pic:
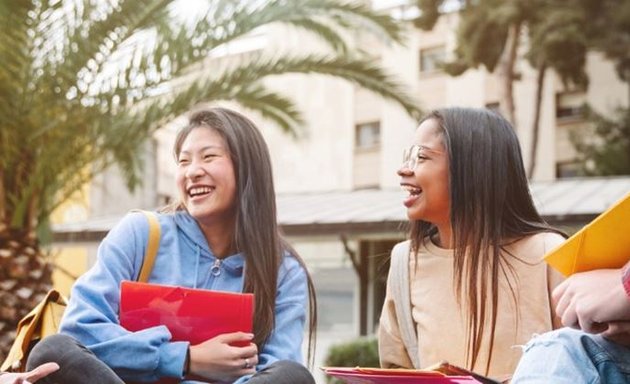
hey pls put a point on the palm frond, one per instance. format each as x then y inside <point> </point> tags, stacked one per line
<point>358,16</point>
<point>15,47</point>
<point>91,44</point>
<point>84,82</point>
<point>234,81</point>
<point>330,20</point>
<point>326,32</point>
<point>272,106</point>
<point>364,74</point>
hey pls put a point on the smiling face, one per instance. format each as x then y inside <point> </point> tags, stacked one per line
<point>427,183</point>
<point>205,177</point>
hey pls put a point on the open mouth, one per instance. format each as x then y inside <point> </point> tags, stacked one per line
<point>199,191</point>
<point>411,190</point>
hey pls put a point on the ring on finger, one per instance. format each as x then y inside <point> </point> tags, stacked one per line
<point>247,363</point>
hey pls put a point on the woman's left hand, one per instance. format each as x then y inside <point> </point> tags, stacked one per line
<point>30,376</point>
<point>216,359</point>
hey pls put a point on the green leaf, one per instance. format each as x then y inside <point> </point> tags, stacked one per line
<point>83,84</point>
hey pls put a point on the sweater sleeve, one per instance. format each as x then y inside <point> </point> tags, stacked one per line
<point>92,313</point>
<point>391,349</point>
<point>285,341</point>
<point>554,278</point>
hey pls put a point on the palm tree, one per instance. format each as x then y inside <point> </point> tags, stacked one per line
<point>84,82</point>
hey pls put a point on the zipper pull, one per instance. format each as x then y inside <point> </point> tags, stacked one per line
<point>216,268</point>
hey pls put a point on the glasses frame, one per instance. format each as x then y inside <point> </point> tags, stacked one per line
<point>410,157</point>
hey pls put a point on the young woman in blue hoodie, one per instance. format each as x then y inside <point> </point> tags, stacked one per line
<point>221,235</point>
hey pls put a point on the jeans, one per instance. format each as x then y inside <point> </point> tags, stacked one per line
<point>78,365</point>
<point>283,372</point>
<point>568,356</point>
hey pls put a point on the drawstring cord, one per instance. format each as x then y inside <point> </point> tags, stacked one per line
<point>197,266</point>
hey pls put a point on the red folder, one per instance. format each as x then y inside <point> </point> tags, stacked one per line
<point>193,315</point>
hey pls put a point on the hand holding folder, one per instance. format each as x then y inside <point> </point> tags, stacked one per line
<point>602,244</point>
<point>193,315</point>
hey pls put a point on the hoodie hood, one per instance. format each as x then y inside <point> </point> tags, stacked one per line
<point>193,235</point>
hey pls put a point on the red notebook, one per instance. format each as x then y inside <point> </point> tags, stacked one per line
<point>193,315</point>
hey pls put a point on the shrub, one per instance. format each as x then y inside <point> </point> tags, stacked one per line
<point>362,352</point>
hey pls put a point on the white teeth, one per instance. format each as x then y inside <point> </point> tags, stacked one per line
<point>199,191</point>
<point>411,190</point>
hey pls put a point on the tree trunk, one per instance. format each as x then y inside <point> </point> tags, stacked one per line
<point>533,149</point>
<point>25,277</point>
<point>505,72</point>
<point>2,198</point>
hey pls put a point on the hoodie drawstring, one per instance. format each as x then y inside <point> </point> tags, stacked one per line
<point>197,266</point>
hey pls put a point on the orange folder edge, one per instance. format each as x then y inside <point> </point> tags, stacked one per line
<point>601,244</point>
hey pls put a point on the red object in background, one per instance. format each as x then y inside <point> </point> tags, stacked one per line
<point>394,376</point>
<point>193,315</point>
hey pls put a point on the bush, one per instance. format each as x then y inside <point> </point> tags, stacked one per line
<point>362,352</point>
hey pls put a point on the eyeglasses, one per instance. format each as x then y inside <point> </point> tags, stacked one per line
<point>411,157</point>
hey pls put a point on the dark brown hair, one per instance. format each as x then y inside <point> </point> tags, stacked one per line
<point>490,206</point>
<point>256,234</point>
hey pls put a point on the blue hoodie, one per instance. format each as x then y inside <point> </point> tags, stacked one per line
<point>183,259</point>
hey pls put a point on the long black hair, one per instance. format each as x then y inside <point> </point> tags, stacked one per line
<point>490,206</point>
<point>256,232</point>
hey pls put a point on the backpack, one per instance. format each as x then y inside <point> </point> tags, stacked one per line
<point>45,318</point>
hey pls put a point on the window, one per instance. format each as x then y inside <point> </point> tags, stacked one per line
<point>570,105</point>
<point>367,134</point>
<point>431,58</point>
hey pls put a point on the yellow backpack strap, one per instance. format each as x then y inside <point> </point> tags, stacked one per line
<point>152,246</point>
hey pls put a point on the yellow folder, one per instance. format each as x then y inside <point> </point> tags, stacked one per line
<point>602,244</point>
